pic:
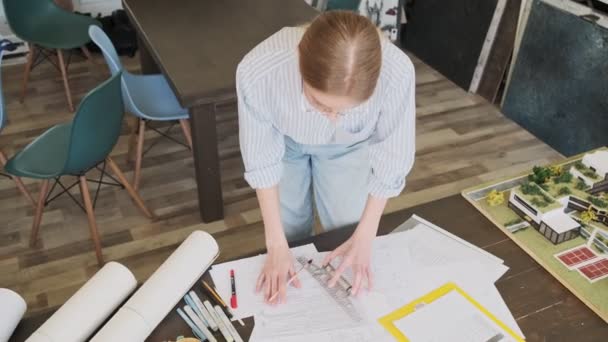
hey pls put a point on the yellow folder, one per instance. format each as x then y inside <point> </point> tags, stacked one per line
<point>388,321</point>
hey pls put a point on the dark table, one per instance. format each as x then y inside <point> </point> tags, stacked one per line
<point>197,45</point>
<point>545,310</point>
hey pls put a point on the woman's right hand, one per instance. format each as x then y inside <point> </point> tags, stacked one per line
<point>278,269</point>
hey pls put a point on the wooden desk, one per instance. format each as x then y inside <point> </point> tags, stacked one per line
<point>544,309</point>
<point>197,45</point>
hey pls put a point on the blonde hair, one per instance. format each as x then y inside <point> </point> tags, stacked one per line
<point>340,54</point>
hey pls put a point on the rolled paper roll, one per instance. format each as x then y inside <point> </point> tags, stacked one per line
<point>165,288</point>
<point>12,309</point>
<point>89,307</point>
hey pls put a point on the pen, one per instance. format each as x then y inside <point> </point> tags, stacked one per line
<point>191,324</point>
<point>201,308</point>
<point>194,307</point>
<point>213,295</point>
<point>233,303</point>
<point>216,297</point>
<point>222,315</point>
<point>199,323</point>
<point>223,329</point>
<point>291,279</point>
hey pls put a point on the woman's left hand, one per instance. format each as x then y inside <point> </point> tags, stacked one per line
<point>355,253</point>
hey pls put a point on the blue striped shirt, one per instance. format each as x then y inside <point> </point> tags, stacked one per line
<point>271,105</point>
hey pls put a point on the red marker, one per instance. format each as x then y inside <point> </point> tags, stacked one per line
<point>233,303</point>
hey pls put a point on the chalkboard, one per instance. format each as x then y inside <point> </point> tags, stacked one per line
<point>448,35</point>
<point>559,83</point>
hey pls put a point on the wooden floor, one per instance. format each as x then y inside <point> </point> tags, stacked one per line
<point>461,141</point>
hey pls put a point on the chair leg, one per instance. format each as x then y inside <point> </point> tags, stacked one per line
<point>28,69</point>
<point>132,139</point>
<point>139,154</point>
<point>88,55</point>
<point>18,181</point>
<point>187,132</point>
<point>86,198</point>
<point>134,195</point>
<point>64,74</point>
<point>38,214</point>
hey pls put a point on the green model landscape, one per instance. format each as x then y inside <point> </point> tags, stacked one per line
<point>543,188</point>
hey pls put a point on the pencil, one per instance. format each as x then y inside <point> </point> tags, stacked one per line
<point>291,279</point>
<point>214,294</point>
<point>211,291</point>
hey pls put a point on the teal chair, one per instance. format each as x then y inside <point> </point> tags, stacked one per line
<point>48,29</point>
<point>7,45</point>
<point>148,97</point>
<point>72,149</point>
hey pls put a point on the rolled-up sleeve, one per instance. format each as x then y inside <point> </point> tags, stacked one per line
<point>392,146</point>
<point>262,145</point>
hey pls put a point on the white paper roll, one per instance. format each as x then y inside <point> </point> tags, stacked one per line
<point>165,288</point>
<point>89,307</point>
<point>12,308</point>
<point>127,325</point>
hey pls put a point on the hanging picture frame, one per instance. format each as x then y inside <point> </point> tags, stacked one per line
<point>385,14</point>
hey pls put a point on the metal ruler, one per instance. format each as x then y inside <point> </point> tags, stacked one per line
<point>340,293</point>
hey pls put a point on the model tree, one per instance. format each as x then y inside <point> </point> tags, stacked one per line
<point>539,174</point>
<point>588,216</point>
<point>580,185</point>
<point>556,170</point>
<point>564,177</point>
<point>495,198</point>
<point>597,201</point>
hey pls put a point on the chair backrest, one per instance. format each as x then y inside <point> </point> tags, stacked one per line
<point>96,126</point>
<point>109,54</point>
<point>24,16</point>
<point>2,110</point>
<point>107,48</point>
<point>5,45</point>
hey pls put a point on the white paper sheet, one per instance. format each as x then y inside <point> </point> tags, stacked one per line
<point>246,274</point>
<point>467,276</point>
<point>89,307</point>
<point>449,318</point>
<point>327,323</point>
<point>429,225</point>
<point>405,265</point>
<point>493,301</point>
<point>290,319</point>
<point>429,248</point>
<point>159,294</point>
<point>365,333</point>
<point>12,308</point>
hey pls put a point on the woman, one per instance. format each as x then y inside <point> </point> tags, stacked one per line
<point>326,112</point>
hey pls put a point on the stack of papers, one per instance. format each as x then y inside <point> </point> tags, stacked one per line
<point>246,273</point>
<point>406,265</point>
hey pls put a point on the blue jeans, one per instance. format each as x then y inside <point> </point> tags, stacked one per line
<point>336,175</point>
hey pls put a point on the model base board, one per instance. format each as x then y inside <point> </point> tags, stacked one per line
<point>558,214</point>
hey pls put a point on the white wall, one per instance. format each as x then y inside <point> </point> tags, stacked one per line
<point>97,6</point>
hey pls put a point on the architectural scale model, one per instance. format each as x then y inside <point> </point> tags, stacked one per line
<point>559,215</point>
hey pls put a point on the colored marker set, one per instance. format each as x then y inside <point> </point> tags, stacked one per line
<point>204,318</point>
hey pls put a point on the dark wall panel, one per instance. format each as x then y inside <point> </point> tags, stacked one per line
<point>448,35</point>
<point>559,85</point>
